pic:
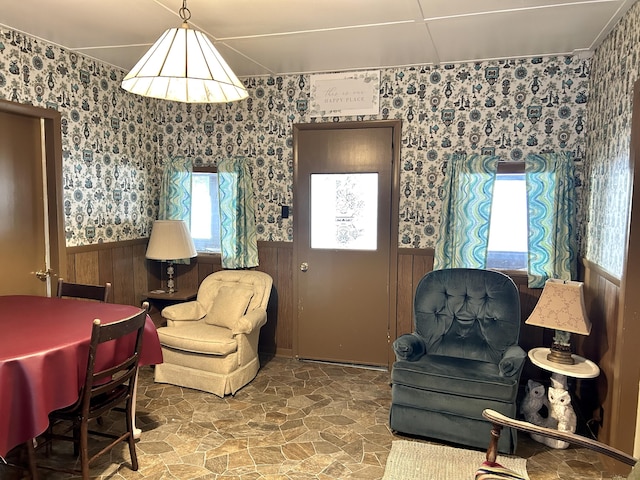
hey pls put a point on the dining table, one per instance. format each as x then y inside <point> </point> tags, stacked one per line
<point>44,345</point>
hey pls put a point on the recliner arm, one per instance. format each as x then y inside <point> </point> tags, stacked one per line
<point>512,361</point>
<point>250,321</point>
<point>187,311</point>
<point>409,347</point>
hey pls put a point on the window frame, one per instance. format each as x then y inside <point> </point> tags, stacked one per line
<point>510,167</point>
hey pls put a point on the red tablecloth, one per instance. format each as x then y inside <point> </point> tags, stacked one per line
<point>44,345</point>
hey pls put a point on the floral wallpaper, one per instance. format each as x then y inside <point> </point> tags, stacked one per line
<point>115,143</point>
<point>616,65</point>
<point>110,148</point>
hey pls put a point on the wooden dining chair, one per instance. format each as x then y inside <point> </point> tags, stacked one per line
<point>105,389</point>
<point>81,290</point>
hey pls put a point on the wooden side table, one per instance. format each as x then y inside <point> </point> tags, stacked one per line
<point>158,299</point>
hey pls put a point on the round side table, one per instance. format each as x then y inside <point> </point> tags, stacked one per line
<point>583,368</point>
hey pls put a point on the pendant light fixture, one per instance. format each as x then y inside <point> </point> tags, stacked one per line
<point>184,66</point>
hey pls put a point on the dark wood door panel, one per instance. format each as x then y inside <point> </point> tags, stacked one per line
<point>343,294</point>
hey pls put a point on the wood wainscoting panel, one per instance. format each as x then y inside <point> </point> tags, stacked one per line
<point>124,285</point>
<point>276,259</point>
<point>105,265</point>
<point>140,270</point>
<point>123,264</point>
<point>406,289</point>
<point>87,268</point>
<point>413,264</point>
<point>602,297</point>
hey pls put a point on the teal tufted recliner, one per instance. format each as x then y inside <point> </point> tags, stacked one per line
<point>462,357</point>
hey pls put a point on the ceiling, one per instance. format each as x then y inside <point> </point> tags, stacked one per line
<point>260,37</point>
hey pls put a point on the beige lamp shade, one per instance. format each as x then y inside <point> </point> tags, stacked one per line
<point>170,240</point>
<point>184,66</point>
<point>561,307</point>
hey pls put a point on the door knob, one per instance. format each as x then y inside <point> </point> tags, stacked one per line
<point>304,266</point>
<point>43,274</point>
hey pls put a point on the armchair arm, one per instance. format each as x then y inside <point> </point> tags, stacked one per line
<point>187,311</point>
<point>250,321</point>
<point>498,421</point>
<point>409,347</point>
<point>512,361</point>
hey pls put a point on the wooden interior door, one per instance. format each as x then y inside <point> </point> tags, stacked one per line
<point>31,237</point>
<point>345,258</point>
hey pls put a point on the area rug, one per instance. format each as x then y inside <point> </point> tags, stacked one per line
<point>424,461</point>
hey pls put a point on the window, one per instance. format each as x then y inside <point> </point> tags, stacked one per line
<point>508,232</point>
<point>344,211</point>
<point>205,213</point>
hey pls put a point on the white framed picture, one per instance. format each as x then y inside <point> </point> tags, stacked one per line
<point>345,94</point>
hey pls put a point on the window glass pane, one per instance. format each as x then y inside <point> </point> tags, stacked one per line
<point>205,220</point>
<point>344,211</point>
<point>508,226</point>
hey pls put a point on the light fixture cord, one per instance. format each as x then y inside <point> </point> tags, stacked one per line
<point>184,12</point>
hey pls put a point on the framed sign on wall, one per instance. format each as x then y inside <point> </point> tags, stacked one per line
<point>345,94</point>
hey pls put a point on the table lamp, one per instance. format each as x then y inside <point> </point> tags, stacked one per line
<point>170,240</point>
<point>561,307</point>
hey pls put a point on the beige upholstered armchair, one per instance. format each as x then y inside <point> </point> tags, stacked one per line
<point>211,343</point>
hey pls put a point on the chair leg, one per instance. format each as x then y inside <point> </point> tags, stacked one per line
<point>48,434</point>
<point>136,431</point>
<point>76,440</point>
<point>84,449</point>
<point>31,456</point>
<point>492,450</point>
<point>130,428</point>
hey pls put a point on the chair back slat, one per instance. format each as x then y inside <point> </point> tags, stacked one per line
<point>85,291</point>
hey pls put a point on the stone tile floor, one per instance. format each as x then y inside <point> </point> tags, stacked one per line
<point>296,420</point>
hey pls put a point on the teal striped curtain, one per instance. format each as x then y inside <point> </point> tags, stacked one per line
<point>175,191</point>
<point>551,202</point>
<point>466,210</point>
<point>237,214</point>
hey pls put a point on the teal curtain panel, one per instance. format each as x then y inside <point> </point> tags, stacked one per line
<point>238,237</point>
<point>466,210</point>
<point>551,202</point>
